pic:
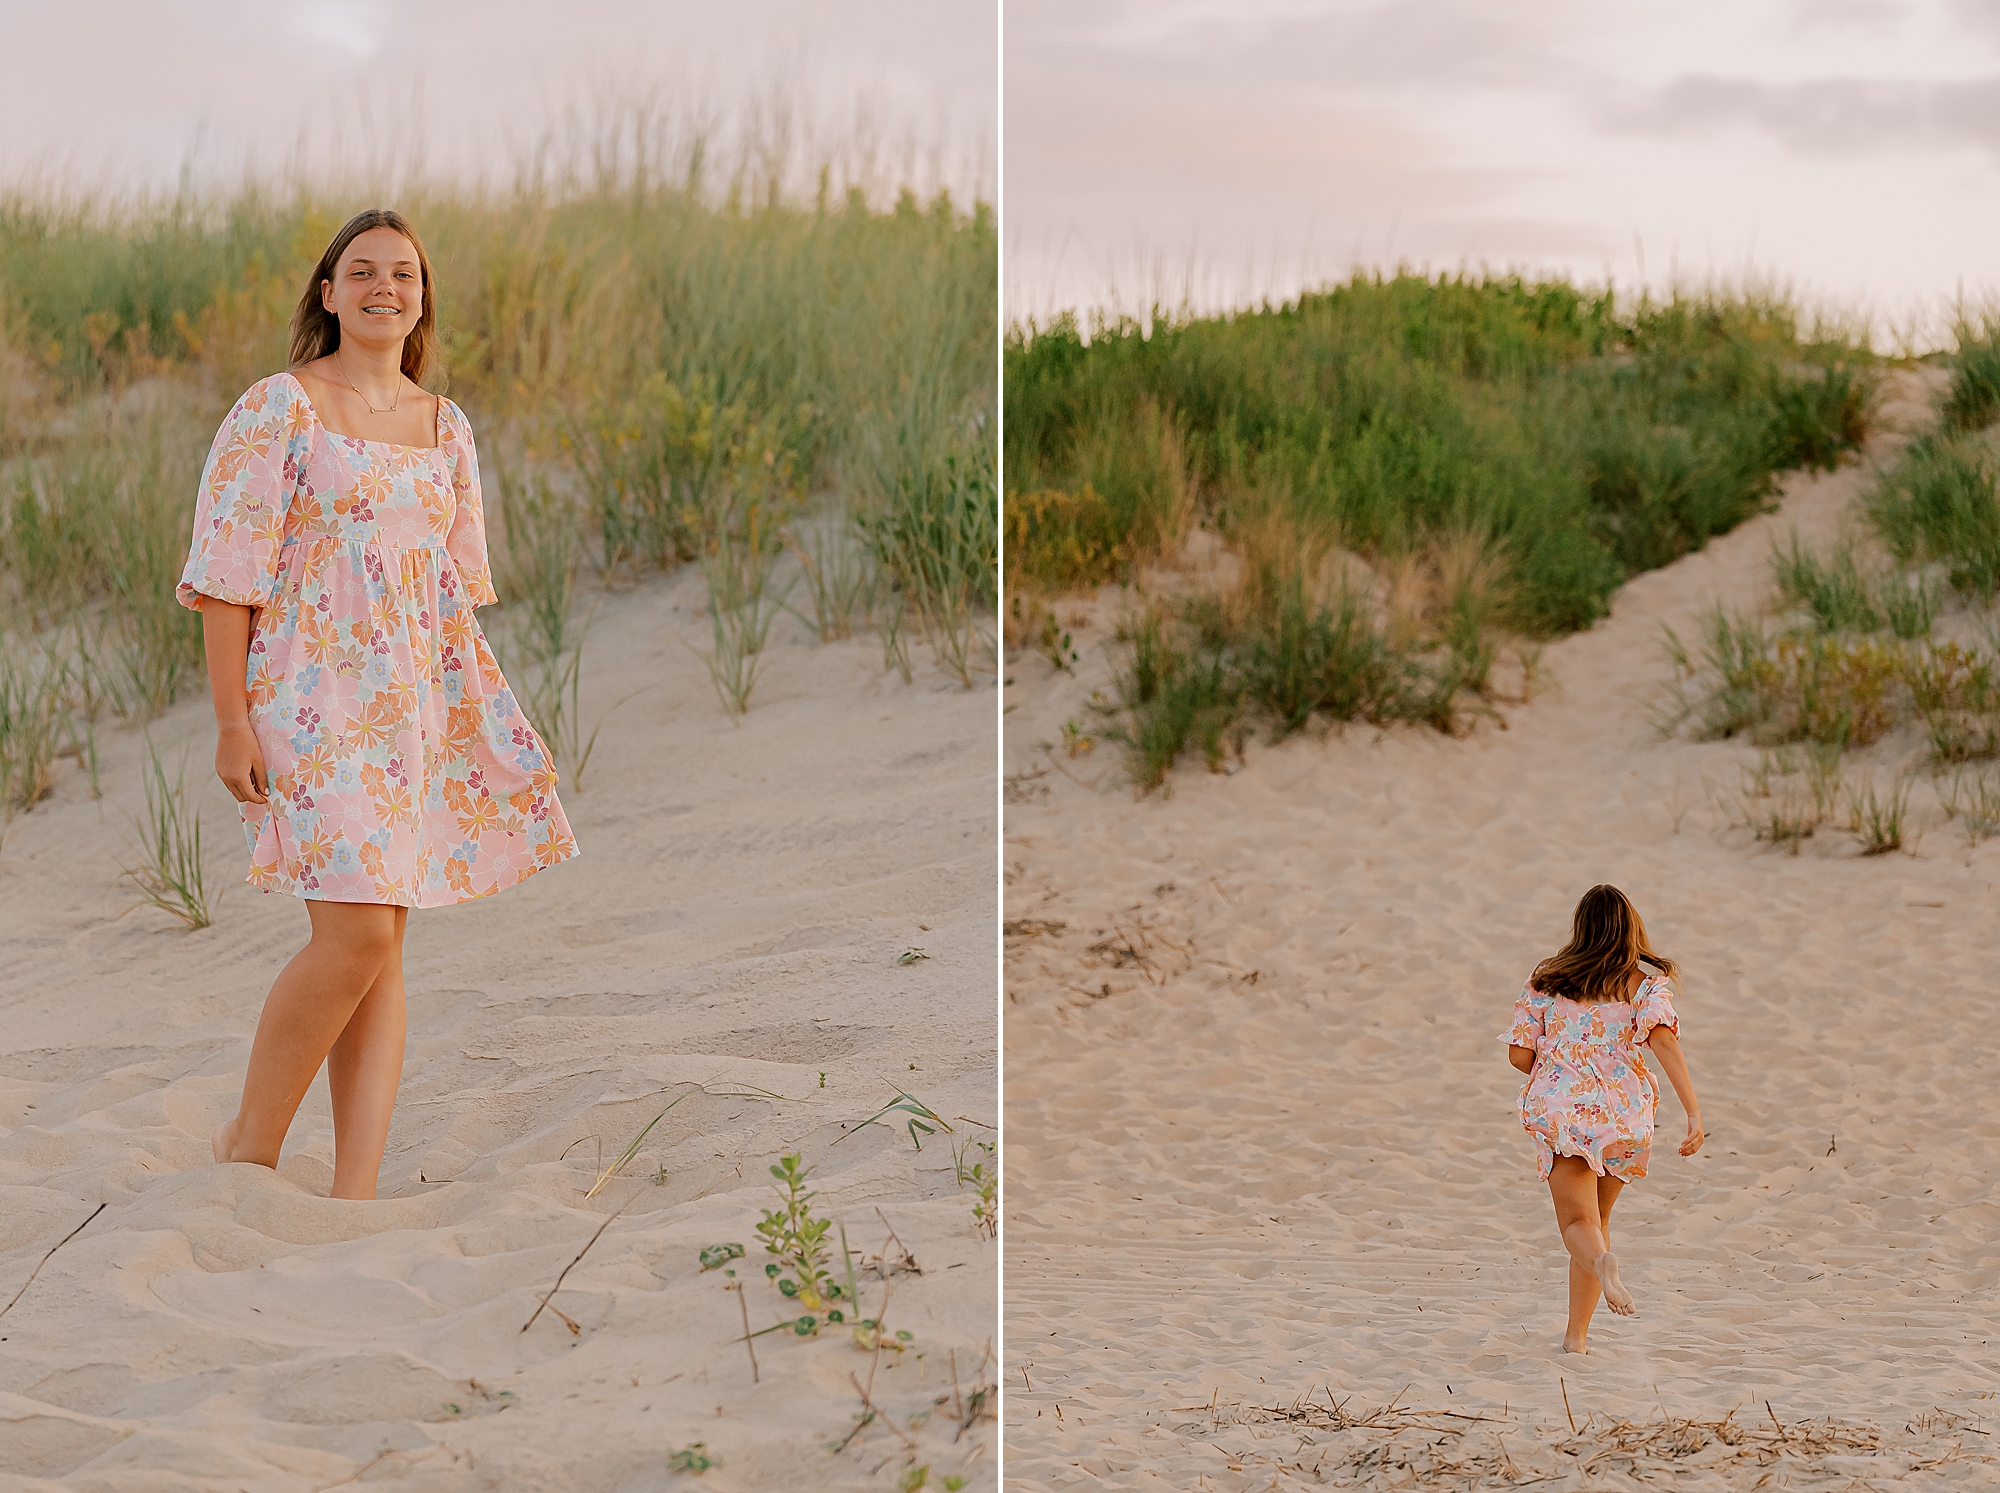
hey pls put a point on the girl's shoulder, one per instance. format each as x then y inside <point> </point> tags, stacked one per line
<point>1533,997</point>
<point>274,391</point>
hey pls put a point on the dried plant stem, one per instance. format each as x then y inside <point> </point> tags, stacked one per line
<point>49,1256</point>
<point>571,1266</point>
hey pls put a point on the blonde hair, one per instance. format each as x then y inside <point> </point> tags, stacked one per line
<point>316,330</point>
<point>1607,943</point>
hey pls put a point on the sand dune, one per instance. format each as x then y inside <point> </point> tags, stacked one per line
<point>734,919</point>
<point>1262,1142</point>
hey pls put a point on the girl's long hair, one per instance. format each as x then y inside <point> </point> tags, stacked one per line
<point>1607,943</point>
<point>316,330</point>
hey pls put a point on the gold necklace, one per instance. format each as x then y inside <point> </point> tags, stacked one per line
<point>364,398</point>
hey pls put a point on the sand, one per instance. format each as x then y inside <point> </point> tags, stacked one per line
<point>1276,1153</point>
<point>735,919</point>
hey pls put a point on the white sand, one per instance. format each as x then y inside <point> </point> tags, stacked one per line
<point>1283,1154</point>
<point>735,918</point>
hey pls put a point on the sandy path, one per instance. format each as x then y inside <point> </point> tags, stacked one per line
<point>735,918</point>
<point>1282,1153</point>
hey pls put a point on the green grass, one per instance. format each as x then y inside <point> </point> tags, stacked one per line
<point>1941,505</point>
<point>1581,442</point>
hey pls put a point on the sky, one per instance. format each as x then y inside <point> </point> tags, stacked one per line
<point>1222,152</point>
<point>111,93</point>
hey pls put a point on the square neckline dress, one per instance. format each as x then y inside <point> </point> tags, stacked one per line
<point>1590,1093</point>
<point>401,768</point>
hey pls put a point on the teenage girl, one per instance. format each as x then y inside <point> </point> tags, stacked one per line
<point>1589,1101</point>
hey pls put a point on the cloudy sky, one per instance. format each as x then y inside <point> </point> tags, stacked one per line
<point>122,91</point>
<point>1233,149</point>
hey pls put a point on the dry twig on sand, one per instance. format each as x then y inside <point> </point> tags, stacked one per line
<point>575,1330</point>
<point>49,1256</point>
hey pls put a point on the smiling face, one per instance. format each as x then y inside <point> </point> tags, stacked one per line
<point>377,289</point>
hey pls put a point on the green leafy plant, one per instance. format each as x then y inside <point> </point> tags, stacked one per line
<point>801,1255</point>
<point>985,1177</point>
<point>695,1458</point>
<point>715,1256</point>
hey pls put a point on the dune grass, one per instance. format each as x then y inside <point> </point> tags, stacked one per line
<point>666,347</point>
<point>1852,650</point>
<point>1502,454</point>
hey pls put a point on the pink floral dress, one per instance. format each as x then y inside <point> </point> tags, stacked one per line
<point>401,769</point>
<point>1590,1093</point>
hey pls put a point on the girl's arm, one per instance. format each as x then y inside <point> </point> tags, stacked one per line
<point>225,633</point>
<point>1666,1045</point>
<point>1522,1058</point>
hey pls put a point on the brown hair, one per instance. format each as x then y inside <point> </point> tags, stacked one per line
<point>316,330</point>
<point>1607,941</point>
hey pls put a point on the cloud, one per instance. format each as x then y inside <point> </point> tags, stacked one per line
<point>1376,45</point>
<point>1838,116</point>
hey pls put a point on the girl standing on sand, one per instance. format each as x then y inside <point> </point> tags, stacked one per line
<point>380,760</point>
<point>1589,1101</point>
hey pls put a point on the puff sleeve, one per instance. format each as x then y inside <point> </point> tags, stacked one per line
<point>246,488</point>
<point>1526,1031</point>
<point>465,542</point>
<point>1654,1007</point>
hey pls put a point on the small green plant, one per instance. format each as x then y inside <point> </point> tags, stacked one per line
<point>693,1458</point>
<point>741,607</point>
<point>718,1255</point>
<point>797,1242</point>
<point>984,1176</point>
<point>913,1479</point>
<point>839,573</point>
<point>1055,644</point>
<point>35,727</point>
<point>922,1120</point>
<point>606,1173</point>
<point>169,874</point>
<point>1077,742</point>
<point>911,955</point>
<point>1832,591</point>
<point>1975,803</point>
<point>1879,821</point>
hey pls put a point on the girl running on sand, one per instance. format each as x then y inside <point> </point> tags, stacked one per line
<point>1589,1101</point>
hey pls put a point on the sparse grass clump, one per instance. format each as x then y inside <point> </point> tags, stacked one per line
<point>1974,398</point>
<point>170,874</point>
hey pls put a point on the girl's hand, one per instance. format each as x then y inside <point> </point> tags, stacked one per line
<point>1695,1136</point>
<point>239,762</point>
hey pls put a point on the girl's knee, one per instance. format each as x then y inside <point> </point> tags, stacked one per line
<point>364,937</point>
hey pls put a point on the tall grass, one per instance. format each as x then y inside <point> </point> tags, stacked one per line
<point>664,324</point>
<point>1584,443</point>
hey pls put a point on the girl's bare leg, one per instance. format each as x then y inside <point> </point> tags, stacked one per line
<point>309,1006</point>
<point>363,1070</point>
<point>1583,1287</point>
<point>1574,1188</point>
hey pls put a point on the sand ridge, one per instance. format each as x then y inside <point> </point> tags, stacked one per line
<point>734,920</point>
<point>1262,1142</point>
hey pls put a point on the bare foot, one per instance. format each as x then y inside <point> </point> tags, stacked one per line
<point>224,1139</point>
<point>1605,1268</point>
<point>1574,1345</point>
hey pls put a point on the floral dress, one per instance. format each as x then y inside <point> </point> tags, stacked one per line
<point>1590,1093</point>
<point>401,768</point>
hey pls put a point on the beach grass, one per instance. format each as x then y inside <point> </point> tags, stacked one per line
<point>1500,454</point>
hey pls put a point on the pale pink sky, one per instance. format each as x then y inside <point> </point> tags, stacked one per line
<point>1234,149</point>
<point>125,91</point>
